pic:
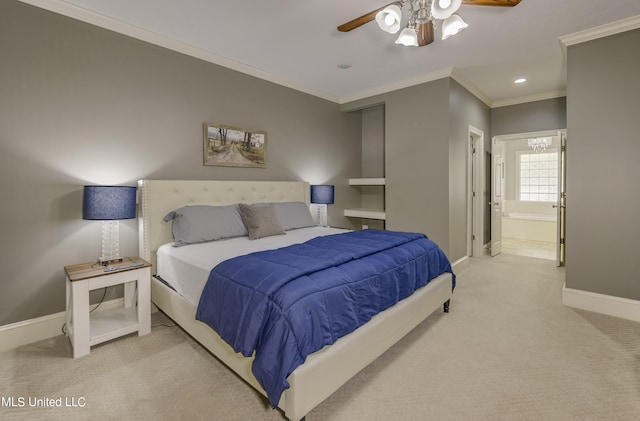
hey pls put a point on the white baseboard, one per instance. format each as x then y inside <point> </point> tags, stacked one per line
<point>28,331</point>
<point>460,264</point>
<point>600,303</point>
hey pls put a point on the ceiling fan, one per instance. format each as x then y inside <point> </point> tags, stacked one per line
<point>423,16</point>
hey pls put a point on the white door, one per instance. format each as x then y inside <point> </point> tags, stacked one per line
<point>497,188</point>
<point>561,203</point>
<point>477,192</point>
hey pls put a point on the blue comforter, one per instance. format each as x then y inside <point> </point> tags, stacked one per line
<point>287,303</point>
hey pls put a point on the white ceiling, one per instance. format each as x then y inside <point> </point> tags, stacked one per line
<point>295,42</point>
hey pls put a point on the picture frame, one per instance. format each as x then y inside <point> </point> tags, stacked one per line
<point>228,146</point>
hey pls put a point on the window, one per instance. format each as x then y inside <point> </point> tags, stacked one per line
<point>538,176</point>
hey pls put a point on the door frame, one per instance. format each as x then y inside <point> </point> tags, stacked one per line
<point>475,183</point>
<point>561,203</point>
<point>562,133</point>
<point>497,194</point>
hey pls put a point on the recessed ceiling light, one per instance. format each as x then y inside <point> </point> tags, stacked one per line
<point>520,80</point>
<point>344,66</point>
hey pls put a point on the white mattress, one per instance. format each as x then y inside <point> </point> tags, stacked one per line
<point>186,269</point>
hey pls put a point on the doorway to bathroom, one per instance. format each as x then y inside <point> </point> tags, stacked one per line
<point>528,202</point>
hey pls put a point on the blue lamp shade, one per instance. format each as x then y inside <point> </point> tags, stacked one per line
<point>322,194</point>
<point>104,203</point>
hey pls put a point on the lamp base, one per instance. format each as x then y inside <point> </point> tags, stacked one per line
<point>106,262</point>
<point>321,214</point>
<point>110,242</point>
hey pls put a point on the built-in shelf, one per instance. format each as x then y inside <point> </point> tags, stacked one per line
<point>367,181</point>
<point>365,213</point>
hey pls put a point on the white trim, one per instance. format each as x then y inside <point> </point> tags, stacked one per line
<point>530,98</point>
<point>460,264</point>
<point>470,188</point>
<point>623,308</point>
<point>477,182</point>
<point>602,31</point>
<point>458,77</point>
<point>471,87</point>
<point>367,181</point>
<point>526,135</point>
<point>428,77</point>
<point>28,331</point>
<point>366,213</point>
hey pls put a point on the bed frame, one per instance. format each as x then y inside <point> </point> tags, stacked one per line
<point>324,371</point>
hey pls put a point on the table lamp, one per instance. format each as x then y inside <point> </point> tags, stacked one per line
<point>109,204</point>
<point>321,196</point>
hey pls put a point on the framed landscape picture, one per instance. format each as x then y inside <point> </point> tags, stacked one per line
<point>228,146</point>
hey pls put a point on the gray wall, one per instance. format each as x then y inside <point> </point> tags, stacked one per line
<point>549,114</point>
<point>603,174</point>
<point>417,164</point>
<point>373,162</point>
<point>465,110</point>
<point>82,105</point>
<point>426,138</point>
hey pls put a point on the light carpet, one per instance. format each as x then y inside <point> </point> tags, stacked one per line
<point>508,350</point>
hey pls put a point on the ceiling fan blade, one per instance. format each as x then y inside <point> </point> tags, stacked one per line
<point>357,22</point>
<point>503,3</point>
<point>425,33</point>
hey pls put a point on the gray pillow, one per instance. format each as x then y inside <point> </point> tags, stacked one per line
<point>202,223</point>
<point>294,215</point>
<point>261,220</point>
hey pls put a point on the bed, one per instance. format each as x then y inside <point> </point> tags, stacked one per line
<point>323,371</point>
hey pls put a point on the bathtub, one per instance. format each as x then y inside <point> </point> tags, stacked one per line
<point>529,226</point>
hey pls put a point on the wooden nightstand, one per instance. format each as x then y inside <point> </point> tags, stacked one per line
<point>85,330</point>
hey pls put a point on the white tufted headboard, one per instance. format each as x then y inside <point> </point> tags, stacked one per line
<point>159,197</point>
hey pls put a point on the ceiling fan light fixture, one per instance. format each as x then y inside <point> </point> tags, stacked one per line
<point>442,9</point>
<point>408,37</point>
<point>424,17</point>
<point>423,14</point>
<point>452,25</point>
<point>389,18</point>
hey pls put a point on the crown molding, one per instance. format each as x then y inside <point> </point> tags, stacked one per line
<point>428,77</point>
<point>530,98</point>
<point>612,28</point>
<point>72,11</point>
<point>64,8</point>
<point>75,12</point>
<point>468,85</point>
<point>458,77</point>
